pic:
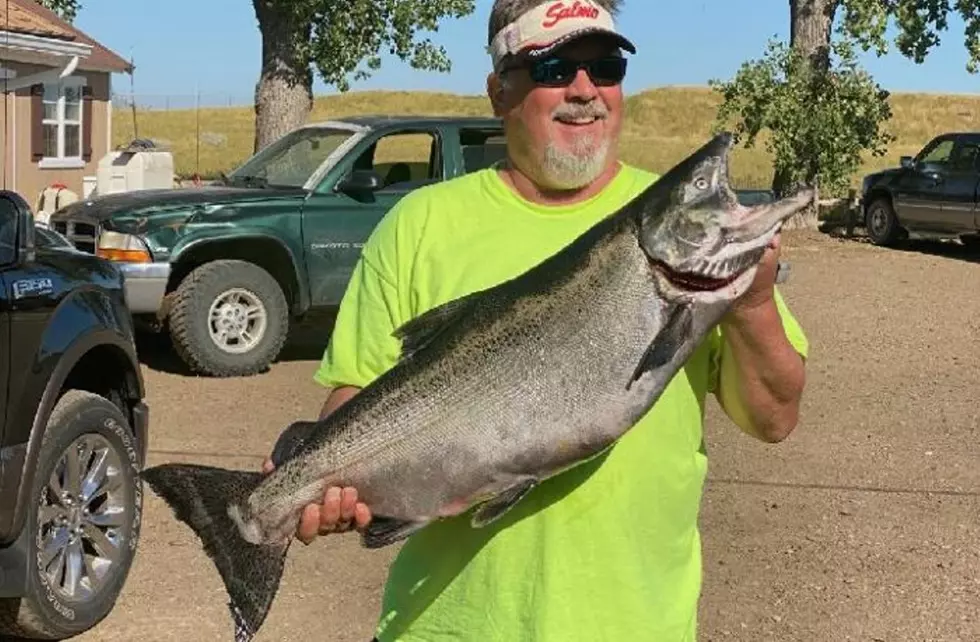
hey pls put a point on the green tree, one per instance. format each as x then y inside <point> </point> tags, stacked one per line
<point>819,121</point>
<point>821,113</point>
<point>339,39</point>
<point>67,9</point>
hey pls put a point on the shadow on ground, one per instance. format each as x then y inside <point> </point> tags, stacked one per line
<point>306,342</point>
<point>945,249</point>
<point>951,249</point>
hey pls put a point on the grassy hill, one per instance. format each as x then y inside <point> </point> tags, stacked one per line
<point>662,125</point>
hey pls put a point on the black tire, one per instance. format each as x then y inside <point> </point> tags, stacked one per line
<point>190,325</point>
<point>881,223</point>
<point>45,613</point>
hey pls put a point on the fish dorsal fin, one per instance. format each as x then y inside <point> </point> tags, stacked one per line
<point>419,332</point>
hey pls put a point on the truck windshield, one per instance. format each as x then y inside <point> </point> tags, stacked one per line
<point>291,160</point>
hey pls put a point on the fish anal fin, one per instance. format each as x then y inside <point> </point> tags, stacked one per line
<point>419,332</point>
<point>495,507</point>
<point>383,531</point>
<point>663,347</point>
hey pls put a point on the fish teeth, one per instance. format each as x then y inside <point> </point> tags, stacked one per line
<point>717,269</point>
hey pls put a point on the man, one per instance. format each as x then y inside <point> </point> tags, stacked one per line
<point>609,550</point>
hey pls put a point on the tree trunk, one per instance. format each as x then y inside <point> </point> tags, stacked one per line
<point>810,27</point>
<point>811,22</point>
<point>808,218</point>
<point>284,92</point>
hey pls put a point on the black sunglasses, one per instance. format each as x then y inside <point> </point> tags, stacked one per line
<point>560,72</point>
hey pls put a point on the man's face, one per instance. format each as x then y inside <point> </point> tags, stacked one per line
<point>562,137</point>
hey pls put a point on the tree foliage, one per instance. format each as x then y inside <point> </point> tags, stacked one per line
<point>67,9</point>
<point>818,122</point>
<point>919,24</point>
<point>343,40</point>
<point>821,114</point>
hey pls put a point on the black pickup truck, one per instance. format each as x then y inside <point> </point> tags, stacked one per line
<point>73,432</point>
<point>931,195</point>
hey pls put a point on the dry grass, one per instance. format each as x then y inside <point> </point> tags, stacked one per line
<point>662,125</point>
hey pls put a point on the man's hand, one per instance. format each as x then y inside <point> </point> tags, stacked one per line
<point>335,515</point>
<point>340,505</point>
<point>761,290</point>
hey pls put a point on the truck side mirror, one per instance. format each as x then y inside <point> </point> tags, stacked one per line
<point>16,228</point>
<point>359,181</point>
<point>907,162</point>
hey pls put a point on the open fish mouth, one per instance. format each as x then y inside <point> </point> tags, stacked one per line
<point>694,281</point>
<point>709,275</point>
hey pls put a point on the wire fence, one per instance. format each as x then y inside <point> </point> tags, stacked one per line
<point>211,132</point>
<point>168,102</point>
<point>207,133</point>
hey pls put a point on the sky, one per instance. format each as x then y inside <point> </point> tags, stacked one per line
<point>181,47</point>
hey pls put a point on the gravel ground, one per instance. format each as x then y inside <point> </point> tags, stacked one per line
<point>862,526</point>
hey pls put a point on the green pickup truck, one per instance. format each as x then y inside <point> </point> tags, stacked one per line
<point>226,268</point>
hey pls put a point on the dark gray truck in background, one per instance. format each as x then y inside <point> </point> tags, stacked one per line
<point>931,195</point>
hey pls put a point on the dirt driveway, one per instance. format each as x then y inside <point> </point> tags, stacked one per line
<point>863,526</point>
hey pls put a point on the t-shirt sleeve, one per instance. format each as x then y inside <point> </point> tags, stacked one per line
<point>362,345</point>
<point>723,386</point>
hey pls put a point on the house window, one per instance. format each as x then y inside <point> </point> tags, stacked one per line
<point>62,121</point>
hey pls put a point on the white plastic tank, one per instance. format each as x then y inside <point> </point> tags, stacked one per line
<point>136,167</point>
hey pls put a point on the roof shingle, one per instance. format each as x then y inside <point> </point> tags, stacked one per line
<point>20,20</point>
<point>29,17</point>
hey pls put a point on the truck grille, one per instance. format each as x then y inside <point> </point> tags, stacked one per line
<point>82,235</point>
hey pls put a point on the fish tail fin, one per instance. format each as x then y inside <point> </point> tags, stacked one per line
<point>200,496</point>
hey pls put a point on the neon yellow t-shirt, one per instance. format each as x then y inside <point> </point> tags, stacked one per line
<point>606,551</point>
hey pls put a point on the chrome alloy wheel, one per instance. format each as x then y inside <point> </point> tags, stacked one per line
<point>237,320</point>
<point>82,511</point>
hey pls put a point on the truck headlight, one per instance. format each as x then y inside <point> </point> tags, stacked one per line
<point>126,248</point>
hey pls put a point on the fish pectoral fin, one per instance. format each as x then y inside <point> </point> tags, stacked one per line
<point>419,332</point>
<point>495,508</point>
<point>382,531</point>
<point>662,349</point>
